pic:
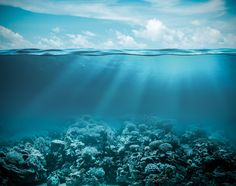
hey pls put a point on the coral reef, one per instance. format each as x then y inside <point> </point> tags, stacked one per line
<point>141,153</point>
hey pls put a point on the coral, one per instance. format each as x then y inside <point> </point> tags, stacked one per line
<point>146,152</point>
<point>42,144</point>
<point>89,151</point>
<point>134,148</point>
<point>165,147</point>
<point>23,164</point>
<point>97,172</point>
<point>53,180</point>
<point>151,168</point>
<point>155,144</point>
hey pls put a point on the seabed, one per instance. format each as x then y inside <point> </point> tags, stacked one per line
<point>146,152</point>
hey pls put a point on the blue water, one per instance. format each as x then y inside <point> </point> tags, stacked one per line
<point>42,89</point>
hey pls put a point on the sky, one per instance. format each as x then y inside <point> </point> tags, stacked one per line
<point>116,24</point>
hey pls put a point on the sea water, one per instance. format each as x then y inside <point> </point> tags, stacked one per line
<point>47,90</point>
<point>189,86</point>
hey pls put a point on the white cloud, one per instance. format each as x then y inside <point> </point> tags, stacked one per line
<point>230,40</point>
<point>153,34</point>
<point>196,22</point>
<point>79,41</point>
<point>112,10</point>
<point>52,42</point>
<point>158,35</point>
<point>127,41</point>
<point>66,41</point>
<point>154,30</point>
<point>56,30</point>
<point>97,10</point>
<point>10,39</point>
<point>88,33</point>
<point>177,7</point>
<point>206,37</point>
<point>109,44</point>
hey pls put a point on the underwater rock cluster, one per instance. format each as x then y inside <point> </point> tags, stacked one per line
<point>91,153</point>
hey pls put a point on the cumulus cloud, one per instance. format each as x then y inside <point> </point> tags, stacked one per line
<point>195,22</point>
<point>51,42</point>
<point>88,33</point>
<point>121,40</point>
<point>230,39</point>
<point>153,34</point>
<point>10,39</point>
<point>154,30</point>
<point>79,41</point>
<point>159,35</point>
<point>67,41</point>
<point>206,37</point>
<point>128,41</point>
<point>56,29</point>
<point>145,31</point>
<point>109,44</point>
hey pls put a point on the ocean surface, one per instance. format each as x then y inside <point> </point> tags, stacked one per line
<point>117,117</point>
<point>41,89</point>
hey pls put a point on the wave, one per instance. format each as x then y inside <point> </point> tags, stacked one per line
<point>135,52</point>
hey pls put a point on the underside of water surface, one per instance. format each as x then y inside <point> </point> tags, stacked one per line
<point>118,117</point>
